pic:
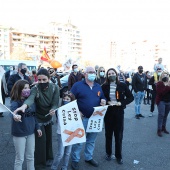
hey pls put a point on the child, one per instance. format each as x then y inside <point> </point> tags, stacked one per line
<point>62,152</point>
<point>23,126</point>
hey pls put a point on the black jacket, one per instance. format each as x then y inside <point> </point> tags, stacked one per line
<point>14,78</point>
<point>123,93</point>
<point>138,84</point>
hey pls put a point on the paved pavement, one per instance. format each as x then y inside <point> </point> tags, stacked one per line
<point>140,143</point>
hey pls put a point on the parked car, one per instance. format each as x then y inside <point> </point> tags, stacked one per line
<point>64,84</point>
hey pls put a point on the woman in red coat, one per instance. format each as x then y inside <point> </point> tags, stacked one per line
<point>163,102</point>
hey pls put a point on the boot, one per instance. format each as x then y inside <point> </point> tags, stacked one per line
<point>144,101</point>
<point>148,101</point>
<point>164,130</point>
<point>159,133</point>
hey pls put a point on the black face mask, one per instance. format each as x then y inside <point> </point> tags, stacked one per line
<point>43,86</point>
<point>141,71</point>
<point>112,78</point>
<point>165,79</point>
<point>23,71</point>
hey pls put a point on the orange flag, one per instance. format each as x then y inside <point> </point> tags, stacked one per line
<point>52,62</point>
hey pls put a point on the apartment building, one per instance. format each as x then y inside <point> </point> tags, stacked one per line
<point>34,42</point>
<point>69,40</point>
<point>62,41</point>
<point>4,42</point>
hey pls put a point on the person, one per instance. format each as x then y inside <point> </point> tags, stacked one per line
<point>88,94</point>
<point>117,96</point>
<point>100,78</point>
<point>46,98</point>
<point>54,77</point>
<point>163,102</point>
<point>4,91</point>
<point>153,83</point>
<point>9,72</point>
<point>75,76</point>
<point>159,65</point>
<point>139,85</point>
<point>23,127</point>
<point>96,68</point>
<point>121,77</point>
<point>22,69</point>
<point>146,99</point>
<point>62,152</point>
<point>33,76</point>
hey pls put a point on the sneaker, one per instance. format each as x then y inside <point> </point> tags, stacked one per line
<point>120,161</point>
<point>137,117</point>
<point>109,157</point>
<point>140,115</point>
<point>75,165</point>
<point>151,114</point>
<point>92,162</point>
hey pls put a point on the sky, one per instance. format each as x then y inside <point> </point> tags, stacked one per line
<point>100,21</point>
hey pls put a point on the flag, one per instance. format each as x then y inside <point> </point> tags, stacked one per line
<point>45,56</point>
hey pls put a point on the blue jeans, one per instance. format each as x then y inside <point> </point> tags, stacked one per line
<point>138,100</point>
<point>163,111</point>
<point>62,153</point>
<point>89,145</point>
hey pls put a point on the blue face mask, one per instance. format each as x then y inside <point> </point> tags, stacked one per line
<point>91,77</point>
<point>65,102</point>
<point>101,74</point>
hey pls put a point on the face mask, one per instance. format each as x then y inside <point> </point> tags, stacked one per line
<point>159,74</point>
<point>76,70</point>
<point>43,86</point>
<point>91,77</point>
<point>25,92</point>
<point>149,74</point>
<point>23,71</point>
<point>101,74</point>
<point>165,79</point>
<point>141,71</point>
<point>65,102</point>
<point>11,69</point>
<point>112,78</point>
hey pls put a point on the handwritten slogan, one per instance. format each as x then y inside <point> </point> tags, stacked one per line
<point>72,129</point>
<point>95,122</point>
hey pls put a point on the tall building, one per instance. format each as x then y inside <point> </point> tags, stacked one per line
<point>62,41</point>
<point>69,40</point>
<point>4,42</point>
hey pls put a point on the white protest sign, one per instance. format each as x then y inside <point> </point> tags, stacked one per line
<point>3,108</point>
<point>72,129</point>
<point>95,122</point>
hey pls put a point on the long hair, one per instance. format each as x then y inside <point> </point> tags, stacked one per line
<point>162,75</point>
<point>98,72</point>
<point>17,89</point>
<point>107,79</point>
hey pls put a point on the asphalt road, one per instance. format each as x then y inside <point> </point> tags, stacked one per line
<point>140,143</point>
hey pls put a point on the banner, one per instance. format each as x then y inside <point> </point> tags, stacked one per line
<point>3,108</point>
<point>72,129</point>
<point>95,123</point>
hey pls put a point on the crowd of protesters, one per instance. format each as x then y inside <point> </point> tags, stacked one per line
<point>35,95</point>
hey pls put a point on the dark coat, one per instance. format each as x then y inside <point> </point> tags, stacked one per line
<point>73,79</point>
<point>123,93</point>
<point>14,78</point>
<point>137,84</point>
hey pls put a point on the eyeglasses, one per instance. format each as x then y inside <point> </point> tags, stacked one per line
<point>102,71</point>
